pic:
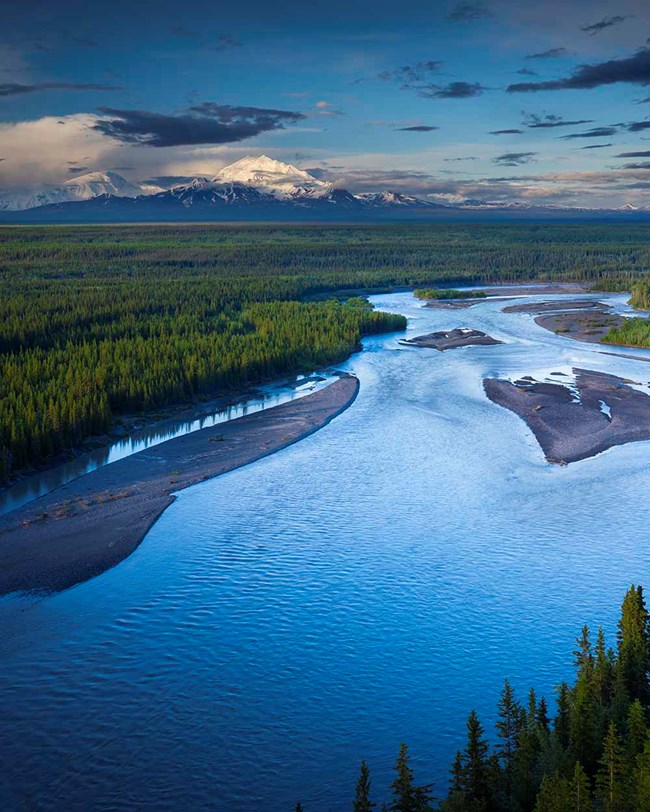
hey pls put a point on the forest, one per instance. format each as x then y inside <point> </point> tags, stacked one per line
<point>102,321</point>
<point>592,754</point>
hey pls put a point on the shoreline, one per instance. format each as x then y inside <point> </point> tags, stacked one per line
<point>89,525</point>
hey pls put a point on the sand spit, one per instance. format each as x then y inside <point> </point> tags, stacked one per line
<point>92,523</point>
<point>450,339</point>
<point>550,307</point>
<point>609,412</point>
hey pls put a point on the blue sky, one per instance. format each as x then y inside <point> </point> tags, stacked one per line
<point>370,95</point>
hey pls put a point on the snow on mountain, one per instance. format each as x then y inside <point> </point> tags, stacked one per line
<point>283,181</point>
<point>83,187</point>
<point>390,199</point>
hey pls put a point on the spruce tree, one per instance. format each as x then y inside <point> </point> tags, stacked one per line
<point>508,726</point>
<point>562,722</point>
<point>641,780</point>
<point>475,774</point>
<point>402,786</point>
<point>554,795</point>
<point>633,644</point>
<point>362,802</point>
<point>636,731</point>
<point>610,777</point>
<point>580,790</point>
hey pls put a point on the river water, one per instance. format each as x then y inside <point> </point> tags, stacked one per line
<point>368,585</point>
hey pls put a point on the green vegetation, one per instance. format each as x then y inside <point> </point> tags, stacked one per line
<point>449,293</point>
<point>641,295</point>
<point>593,756</point>
<point>100,321</point>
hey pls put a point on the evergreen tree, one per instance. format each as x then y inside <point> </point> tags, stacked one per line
<point>636,731</point>
<point>554,795</point>
<point>641,780</point>
<point>562,722</point>
<point>475,774</point>
<point>633,644</point>
<point>580,790</point>
<point>610,777</point>
<point>402,786</point>
<point>362,802</point>
<point>508,726</point>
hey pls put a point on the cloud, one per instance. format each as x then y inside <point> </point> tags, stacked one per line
<point>596,146</point>
<point>601,25</point>
<point>514,158</point>
<point>548,121</point>
<point>325,108</point>
<point>418,128</point>
<point>595,132</point>
<point>468,12</point>
<point>167,181</point>
<point>468,158</point>
<point>552,53</point>
<point>77,169</point>
<point>454,90</point>
<point>512,131</point>
<point>13,89</point>
<point>633,69</point>
<point>644,153</point>
<point>409,75</point>
<point>638,126</point>
<point>643,165</point>
<point>206,123</point>
<point>527,71</point>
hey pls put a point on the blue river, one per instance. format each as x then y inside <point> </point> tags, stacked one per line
<point>367,586</point>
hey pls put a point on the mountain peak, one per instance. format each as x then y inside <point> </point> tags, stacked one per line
<point>273,177</point>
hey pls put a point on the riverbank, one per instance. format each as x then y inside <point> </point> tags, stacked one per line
<point>91,524</point>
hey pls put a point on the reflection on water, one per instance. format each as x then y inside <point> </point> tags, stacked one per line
<point>42,483</point>
<point>368,585</point>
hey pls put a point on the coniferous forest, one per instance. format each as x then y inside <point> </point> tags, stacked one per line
<point>101,321</point>
<point>587,751</point>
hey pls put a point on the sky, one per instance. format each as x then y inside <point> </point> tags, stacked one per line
<point>504,101</point>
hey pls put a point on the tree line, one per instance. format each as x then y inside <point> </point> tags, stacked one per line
<point>591,755</point>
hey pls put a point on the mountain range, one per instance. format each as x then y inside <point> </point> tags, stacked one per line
<point>253,188</point>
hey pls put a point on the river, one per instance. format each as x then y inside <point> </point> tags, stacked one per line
<point>366,586</point>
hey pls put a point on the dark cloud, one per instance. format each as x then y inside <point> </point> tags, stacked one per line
<point>76,169</point>
<point>601,25</point>
<point>552,53</point>
<point>638,126</point>
<point>206,123</point>
<point>409,75</point>
<point>418,128</point>
<point>543,122</point>
<point>527,71</point>
<point>454,160</point>
<point>454,90</point>
<point>514,158</point>
<point>633,69</point>
<point>644,153</point>
<point>596,146</point>
<point>642,165</point>
<point>468,12</point>
<point>506,132</point>
<point>595,132</point>
<point>13,89</point>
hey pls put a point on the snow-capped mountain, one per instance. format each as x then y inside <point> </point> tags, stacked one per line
<point>283,181</point>
<point>254,188</point>
<point>83,187</point>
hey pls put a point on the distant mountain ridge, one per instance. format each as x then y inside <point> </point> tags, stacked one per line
<point>255,188</point>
